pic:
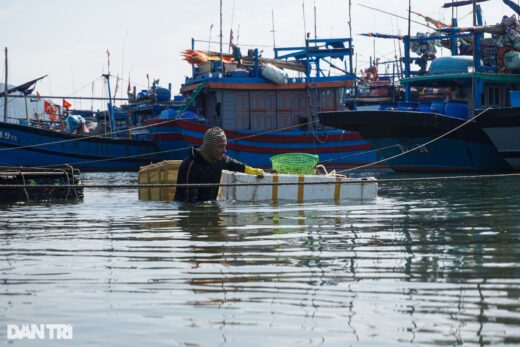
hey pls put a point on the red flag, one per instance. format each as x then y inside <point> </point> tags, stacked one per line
<point>66,104</point>
<point>49,107</point>
<point>231,44</point>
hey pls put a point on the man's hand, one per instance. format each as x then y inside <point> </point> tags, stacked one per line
<point>254,171</point>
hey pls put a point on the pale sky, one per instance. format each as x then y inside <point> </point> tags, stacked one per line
<point>68,39</point>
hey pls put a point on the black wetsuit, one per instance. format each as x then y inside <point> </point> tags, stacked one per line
<point>195,169</point>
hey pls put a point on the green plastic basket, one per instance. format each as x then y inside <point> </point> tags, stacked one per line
<point>295,163</point>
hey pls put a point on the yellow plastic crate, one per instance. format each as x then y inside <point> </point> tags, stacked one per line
<point>164,172</point>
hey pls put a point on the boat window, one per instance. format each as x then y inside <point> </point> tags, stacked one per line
<point>492,96</point>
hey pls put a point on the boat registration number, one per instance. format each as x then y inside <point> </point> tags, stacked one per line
<point>8,136</point>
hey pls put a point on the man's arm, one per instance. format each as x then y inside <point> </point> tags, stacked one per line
<point>232,164</point>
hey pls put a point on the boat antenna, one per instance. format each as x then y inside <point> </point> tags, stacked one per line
<point>5,87</point>
<point>123,60</point>
<point>272,20</point>
<point>315,31</point>
<point>209,41</point>
<point>92,100</point>
<point>231,30</point>
<point>221,58</point>
<point>452,11</point>
<point>373,46</point>
<point>304,22</point>
<point>474,13</point>
<point>350,18</point>
<point>409,19</point>
<point>395,15</point>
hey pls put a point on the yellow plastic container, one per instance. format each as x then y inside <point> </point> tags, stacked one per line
<point>164,172</point>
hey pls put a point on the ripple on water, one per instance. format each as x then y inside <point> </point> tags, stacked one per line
<point>428,263</point>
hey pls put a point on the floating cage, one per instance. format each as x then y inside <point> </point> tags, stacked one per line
<point>295,163</point>
<point>24,184</point>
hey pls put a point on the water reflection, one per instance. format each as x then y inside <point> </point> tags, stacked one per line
<point>427,263</point>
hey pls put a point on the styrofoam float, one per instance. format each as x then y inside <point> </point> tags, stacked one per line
<point>333,188</point>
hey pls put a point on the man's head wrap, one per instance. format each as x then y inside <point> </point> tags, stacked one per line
<point>212,138</point>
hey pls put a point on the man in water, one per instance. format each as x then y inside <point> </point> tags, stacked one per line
<point>205,165</point>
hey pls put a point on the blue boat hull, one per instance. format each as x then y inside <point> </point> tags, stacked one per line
<point>467,149</point>
<point>28,146</point>
<point>336,148</point>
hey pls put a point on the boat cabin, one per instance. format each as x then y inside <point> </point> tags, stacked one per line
<point>256,93</point>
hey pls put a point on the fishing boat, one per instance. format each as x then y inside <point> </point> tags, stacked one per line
<point>502,126</point>
<point>23,145</point>
<point>429,133</point>
<point>50,144</point>
<point>268,106</point>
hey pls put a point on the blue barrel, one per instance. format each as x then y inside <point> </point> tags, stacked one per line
<point>406,106</point>
<point>438,106</point>
<point>168,114</point>
<point>143,94</point>
<point>386,106</point>
<point>163,94</point>
<point>458,109</point>
<point>452,64</point>
<point>424,107</point>
<point>514,96</point>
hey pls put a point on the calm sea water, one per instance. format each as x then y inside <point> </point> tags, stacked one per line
<point>427,263</point>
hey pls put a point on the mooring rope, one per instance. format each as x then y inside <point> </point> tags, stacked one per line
<point>418,147</point>
<point>150,153</point>
<point>260,183</point>
<point>382,161</point>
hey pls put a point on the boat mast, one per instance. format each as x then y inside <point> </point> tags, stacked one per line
<point>409,18</point>
<point>209,40</point>
<point>231,28</point>
<point>475,64</point>
<point>304,22</point>
<point>407,52</point>
<point>272,20</point>
<point>315,30</point>
<point>350,19</point>
<point>221,58</point>
<point>26,108</point>
<point>5,87</point>
<point>110,108</point>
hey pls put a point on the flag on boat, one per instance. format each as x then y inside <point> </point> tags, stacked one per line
<point>38,97</point>
<point>66,104</point>
<point>49,107</point>
<point>231,40</point>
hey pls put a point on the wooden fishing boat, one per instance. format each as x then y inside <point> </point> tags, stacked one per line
<point>471,129</point>
<point>266,111</point>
